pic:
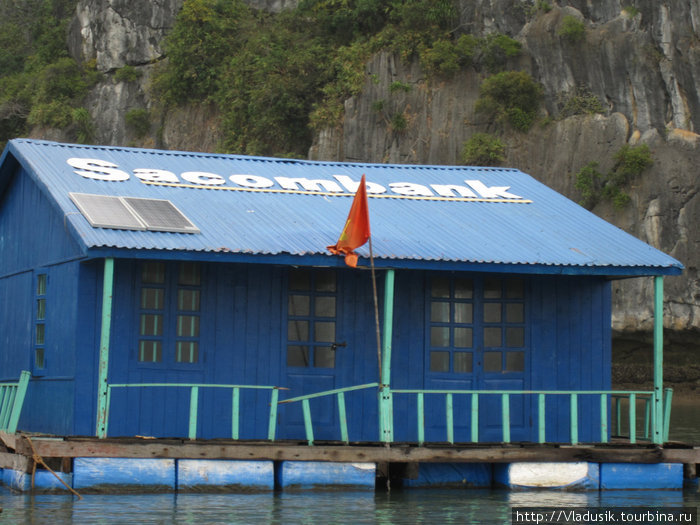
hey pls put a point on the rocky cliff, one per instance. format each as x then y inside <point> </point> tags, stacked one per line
<point>640,59</point>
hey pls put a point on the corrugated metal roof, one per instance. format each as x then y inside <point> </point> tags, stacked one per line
<point>242,208</point>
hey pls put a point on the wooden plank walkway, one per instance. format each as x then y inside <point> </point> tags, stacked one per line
<point>17,452</point>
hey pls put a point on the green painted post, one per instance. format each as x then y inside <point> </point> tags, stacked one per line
<point>633,418</point>
<point>449,418</point>
<point>505,417</point>
<point>603,418</point>
<point>7,398</point>
<point>103,366</point>
<point>307,421</point>
<point>574,419</point>
<point>647,416</point>
<point>475,418</point>
<point>618,415</point>
<point>667,412</point>
<point>109,404</point>
<point>658,408</point>
<point>18,401</point>
<point>386,409</point>
<point>272,424</point>
<point>235,412</point>
<point>541,418</point>
<point>194,402</point>
<point>421,419</point>
<point>343,418</point>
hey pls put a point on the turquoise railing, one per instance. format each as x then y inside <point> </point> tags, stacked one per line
<point>633,399</point>
<point>604,397</point>
<point>342,417</point>
<point>194,404</point>
<point>11,401</point>
<point>625,400</point>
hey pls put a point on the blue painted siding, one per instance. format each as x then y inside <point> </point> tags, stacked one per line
<point>33,241</point>
<point>571,336</point>
<point>16,306</point>
<point>32,231</point>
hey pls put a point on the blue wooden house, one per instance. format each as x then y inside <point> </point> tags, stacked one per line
<point>162,293</point>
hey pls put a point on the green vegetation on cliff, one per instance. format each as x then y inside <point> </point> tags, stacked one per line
<point>276,78</point>
<point>39,84</point>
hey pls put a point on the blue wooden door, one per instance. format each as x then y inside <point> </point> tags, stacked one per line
<point>314,356</point>
<point>476,340</point>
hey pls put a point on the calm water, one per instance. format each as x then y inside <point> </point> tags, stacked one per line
<point>430,506</point>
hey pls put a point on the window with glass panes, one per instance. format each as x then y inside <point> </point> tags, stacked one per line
<point>503,310</point>
<point>169,316</point>
<point>452,325</point>
<point>40,322</point>
<point>311,318</point>
<point>483,316</point>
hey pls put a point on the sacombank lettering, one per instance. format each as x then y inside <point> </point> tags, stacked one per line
<point>339,185</point>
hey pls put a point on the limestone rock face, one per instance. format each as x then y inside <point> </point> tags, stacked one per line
<point>117,33</point>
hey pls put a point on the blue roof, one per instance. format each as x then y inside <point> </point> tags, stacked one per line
<point>288,211</point>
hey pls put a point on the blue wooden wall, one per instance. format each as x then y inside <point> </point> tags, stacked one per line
<point>243,342</point>
<point>33,240</point>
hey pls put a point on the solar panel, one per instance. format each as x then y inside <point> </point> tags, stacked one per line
<point>161,215</point>
<point>103,211</point>
<point>132,213</point>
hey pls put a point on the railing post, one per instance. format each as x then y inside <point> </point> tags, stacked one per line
<point>574,418</point>
<point>307,421</point>
<point>235,412</point>
<point>658,408</point>
<point>421,418</point>
<point>667,412</point>
<point>18,401</point>
<point>272,424</point>
<point>449,418</point>
<point>194,402</point>
<point>603,418</point>
<point>505,416</point>
<point>6,397</point>
<point>475,418</point>
<point>343,418</point>
<point>633,418</point>
<point>109,404</point>
<point>647,415</point>
<point>107,292</point>
<point>541,433</point>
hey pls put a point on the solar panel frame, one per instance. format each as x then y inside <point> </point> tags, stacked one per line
<point>160,215</point>
<point>132,213</point>
<point>106,211</point>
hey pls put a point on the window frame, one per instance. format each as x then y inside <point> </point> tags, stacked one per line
<point>171,313</point>
<point>313,320</point>
<point>498,319</point>
<point>37,296</point>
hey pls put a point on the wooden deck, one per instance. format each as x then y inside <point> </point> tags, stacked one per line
<point>17,451</point>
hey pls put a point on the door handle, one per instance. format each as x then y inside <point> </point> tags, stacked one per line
<point>334,346</point>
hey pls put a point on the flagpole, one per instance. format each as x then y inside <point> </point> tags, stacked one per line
<point>376,310</point>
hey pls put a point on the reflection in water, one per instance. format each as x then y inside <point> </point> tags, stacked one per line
<point>415,506</point>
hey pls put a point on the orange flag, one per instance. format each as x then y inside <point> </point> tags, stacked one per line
<point>356,230</point>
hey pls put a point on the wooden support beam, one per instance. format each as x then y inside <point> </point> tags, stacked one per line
<point>360,453</point>
<point>15,462</point>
